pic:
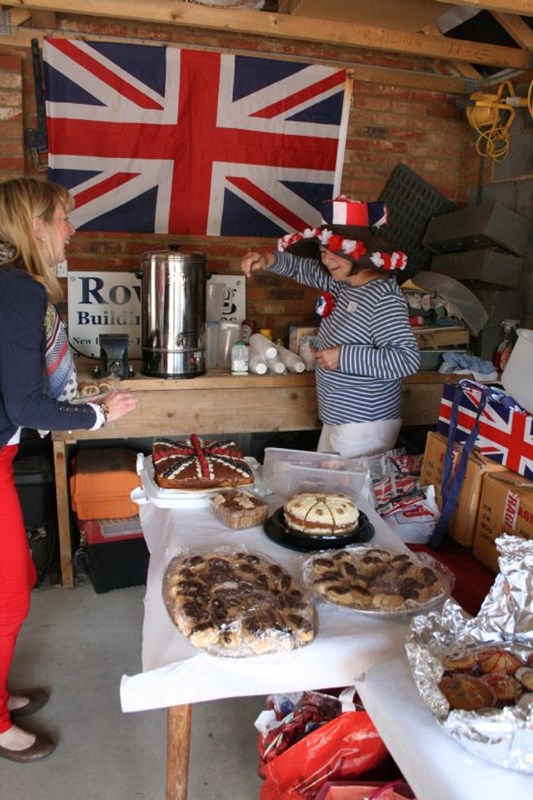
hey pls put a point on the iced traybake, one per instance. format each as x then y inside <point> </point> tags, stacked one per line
<point>237,604</point>
<point>196,464</point>
<point>372,579</point>
<point>238,509</point>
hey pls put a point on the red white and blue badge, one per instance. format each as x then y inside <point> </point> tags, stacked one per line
<point>325,304</point>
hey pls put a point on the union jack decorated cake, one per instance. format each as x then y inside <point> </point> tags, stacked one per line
<point>195,464</point>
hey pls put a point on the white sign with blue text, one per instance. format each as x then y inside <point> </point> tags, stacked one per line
<point>103,302</point>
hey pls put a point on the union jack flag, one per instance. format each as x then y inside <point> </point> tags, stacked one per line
<point>164,140</point>
<point>505,435</point>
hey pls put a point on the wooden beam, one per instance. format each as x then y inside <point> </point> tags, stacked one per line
<point>464,69</point>
<point>505,6</point>
<point>517,28</point>
<point>18,16</point>
<point>258,23</point>
<point>43,19</point>
<point>21,37</point>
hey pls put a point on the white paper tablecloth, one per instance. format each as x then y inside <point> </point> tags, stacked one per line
<point>435,765</point>
<point>174,672</point>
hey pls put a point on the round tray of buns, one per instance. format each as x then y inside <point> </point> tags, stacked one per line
<point>237,604</point>
<point>372,580</point>
<point>89,391</point>
<point>318,521</point>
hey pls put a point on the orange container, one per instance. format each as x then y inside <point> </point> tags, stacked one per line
<point>102,483</point>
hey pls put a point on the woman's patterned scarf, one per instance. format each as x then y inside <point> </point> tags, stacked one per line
<point>60,377</point>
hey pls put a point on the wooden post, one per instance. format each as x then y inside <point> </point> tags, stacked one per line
<point>178,746</point>
<point>63,513</point>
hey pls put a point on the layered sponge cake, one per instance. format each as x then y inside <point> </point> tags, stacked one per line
<point>321,514</point>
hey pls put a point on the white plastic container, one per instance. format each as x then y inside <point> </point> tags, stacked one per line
<point>517,377</point>
<point>215,295</point>
<point>288,472</point>
<point>227,336</point>
<point>211,343</point>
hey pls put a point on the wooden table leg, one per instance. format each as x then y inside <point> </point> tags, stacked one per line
<point>178,746</point>
<point>63,514</point>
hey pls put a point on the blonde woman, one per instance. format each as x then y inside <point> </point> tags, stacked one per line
<point>37,381</point>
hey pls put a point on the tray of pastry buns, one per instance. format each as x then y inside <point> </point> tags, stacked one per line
<point>237,604</point>
<point>371,580</point>
<point>88,391</point>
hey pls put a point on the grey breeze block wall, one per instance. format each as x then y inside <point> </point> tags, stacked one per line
<point>512,185</point>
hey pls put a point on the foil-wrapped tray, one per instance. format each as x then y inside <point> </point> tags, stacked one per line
<point>502,734</point>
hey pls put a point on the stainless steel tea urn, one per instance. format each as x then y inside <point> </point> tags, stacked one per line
<point>173,313</point>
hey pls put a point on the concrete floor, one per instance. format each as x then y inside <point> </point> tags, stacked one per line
<point>78,644</point>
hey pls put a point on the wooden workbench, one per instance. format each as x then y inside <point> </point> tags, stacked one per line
<point>216,403</point>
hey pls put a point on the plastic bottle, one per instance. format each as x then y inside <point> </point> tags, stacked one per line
<point>248,328</point>
<point>239,359</point>
<point>503,351</point>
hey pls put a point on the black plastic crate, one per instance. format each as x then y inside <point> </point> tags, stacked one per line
<point>412,203</point>
<point>34,479</point>
<point>115,553</point>
<point>486,225</point>
<point>117,565</point>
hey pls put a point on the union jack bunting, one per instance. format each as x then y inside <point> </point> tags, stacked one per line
<point>158,139</point>
<point>505,435</point>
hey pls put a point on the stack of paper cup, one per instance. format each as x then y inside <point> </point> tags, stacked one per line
<point>263,346</point>
<point>292,361</point>
<point>276,366</point>
<point>256,364</point>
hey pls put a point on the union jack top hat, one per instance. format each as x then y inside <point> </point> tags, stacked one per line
<point>349,229</point>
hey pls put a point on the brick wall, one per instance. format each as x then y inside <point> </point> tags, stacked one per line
<point>11,116</point>
<point>389,124</point>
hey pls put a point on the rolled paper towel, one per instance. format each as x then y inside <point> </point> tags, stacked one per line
<point>292,361</point>
<point>256,364</point>
<point>276,366</point>
<point>263,346</point>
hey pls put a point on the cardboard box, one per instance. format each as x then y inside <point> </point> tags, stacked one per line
<point>506,506</point>
<point>463,522</point>
<point>102,483</point>
<point>295,334</point>
<point>504,435</point>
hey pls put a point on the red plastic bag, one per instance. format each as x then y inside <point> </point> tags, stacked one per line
<point>345,747</point>
<point>393,790</point>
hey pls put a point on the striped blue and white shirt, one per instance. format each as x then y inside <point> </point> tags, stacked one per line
<point>377,344</point>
